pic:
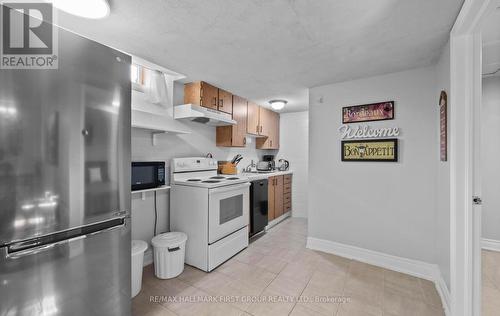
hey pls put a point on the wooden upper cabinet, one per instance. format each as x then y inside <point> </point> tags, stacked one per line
<point>206,95</point>
<point>253,125</point>
<point>209,96</point>
<point>265,121</point>
<point>234,135</point>
<point>192,93</point>
<point>272,128</point>
<point>225,101</point>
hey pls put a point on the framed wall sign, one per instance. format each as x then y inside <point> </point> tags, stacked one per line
<point>370,150</point>
<point>368,112</point>
<point>443,126</point>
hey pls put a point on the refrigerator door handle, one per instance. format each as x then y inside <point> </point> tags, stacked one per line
<point>38,245</point>
<point>39,249</point>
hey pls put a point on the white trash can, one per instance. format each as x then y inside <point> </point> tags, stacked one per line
<point>138,249</point>
<point>169,251</point>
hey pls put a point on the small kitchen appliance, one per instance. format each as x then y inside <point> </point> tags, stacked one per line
<point>212,209</point>
<point>266,164</point>
<point>147,174</point>
<point>284,165</point>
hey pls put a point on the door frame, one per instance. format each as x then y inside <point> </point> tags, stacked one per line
<point>465,114</point>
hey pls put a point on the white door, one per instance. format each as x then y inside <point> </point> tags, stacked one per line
<point>228,210</point>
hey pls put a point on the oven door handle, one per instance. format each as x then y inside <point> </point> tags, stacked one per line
<point>230,188</point>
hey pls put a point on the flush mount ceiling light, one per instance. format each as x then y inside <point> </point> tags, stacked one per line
<point>90,9</point>
<point>278,104</point>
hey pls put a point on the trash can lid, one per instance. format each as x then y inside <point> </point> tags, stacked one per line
<point>138,246</point>
<point>169,239</point>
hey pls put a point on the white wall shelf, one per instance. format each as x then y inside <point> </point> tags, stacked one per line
<point>143,192</point>
<point>156,124</point>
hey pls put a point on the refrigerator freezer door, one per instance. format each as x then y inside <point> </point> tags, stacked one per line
<point>82,276</point>
<point>65,141</point>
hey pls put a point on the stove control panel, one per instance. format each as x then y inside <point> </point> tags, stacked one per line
<point>193,164</point>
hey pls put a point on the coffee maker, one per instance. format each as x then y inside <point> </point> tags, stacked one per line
<point>266,164</point>
<point>270,159</point>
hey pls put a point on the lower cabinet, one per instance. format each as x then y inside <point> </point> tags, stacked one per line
<point>287,193</point>
<point>279,196</point>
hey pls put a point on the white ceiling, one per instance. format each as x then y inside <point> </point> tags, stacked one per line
<point>269,49</point>
<point>491,43</point>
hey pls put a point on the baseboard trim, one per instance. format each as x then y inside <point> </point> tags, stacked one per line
<point>490,244</point>
<point>412,267</point>
<point>278,220</point>
<point>444,293</point>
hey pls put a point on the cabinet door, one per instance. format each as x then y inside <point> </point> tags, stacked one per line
<point>192,93</point>
<point>253,119</point>
<point>273,140</point>
<point>271,198</point>
<point>225,101</point>
<point>276,131</point>
<point>209,96</point>
<point>265,121</point>
<point>278,197</point>
<point>240,116</point>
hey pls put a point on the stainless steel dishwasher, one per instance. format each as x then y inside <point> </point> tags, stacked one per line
<point>258,206</point>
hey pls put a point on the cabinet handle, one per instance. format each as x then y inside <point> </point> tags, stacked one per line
<point>257,129</point>
<point>244,140</point>
<point>271,143</point>
<point>215,101</point>
<point>221,103</point>
<point>261,128</point>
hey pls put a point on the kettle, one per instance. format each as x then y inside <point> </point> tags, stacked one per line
<point>284,165</point>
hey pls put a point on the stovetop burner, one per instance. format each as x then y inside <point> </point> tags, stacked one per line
<point>211,181</point>
<point>233,178</point>
<point>218,177</point>
<point>193,180</point>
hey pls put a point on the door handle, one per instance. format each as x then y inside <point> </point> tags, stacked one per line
<point>37,245</point>
<point>229,188</point>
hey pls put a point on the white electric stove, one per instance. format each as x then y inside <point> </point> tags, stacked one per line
<point>212,209</point>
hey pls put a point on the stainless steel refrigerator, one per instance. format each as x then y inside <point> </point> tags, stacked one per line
<point>65,184</point>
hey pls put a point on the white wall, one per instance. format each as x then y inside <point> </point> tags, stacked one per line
<point>198,143</point>
<point>385,207</point>
<point>443,174</point>
<point>294,147</point>
<point>490,152</point>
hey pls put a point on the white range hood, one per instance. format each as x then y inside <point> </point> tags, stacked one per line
<point>196,113</point>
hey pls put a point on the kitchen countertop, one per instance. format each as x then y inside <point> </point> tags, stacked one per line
<point>258,176</point>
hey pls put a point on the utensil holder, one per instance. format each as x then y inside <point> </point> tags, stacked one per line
<point>227,168</point>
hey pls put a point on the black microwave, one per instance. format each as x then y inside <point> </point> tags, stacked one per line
<point>147,174</point>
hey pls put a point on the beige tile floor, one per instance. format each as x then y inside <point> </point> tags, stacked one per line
<point>491,283</point>
<point>277,275</point>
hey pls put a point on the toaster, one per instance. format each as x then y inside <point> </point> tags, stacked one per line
<point>265,166</point>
